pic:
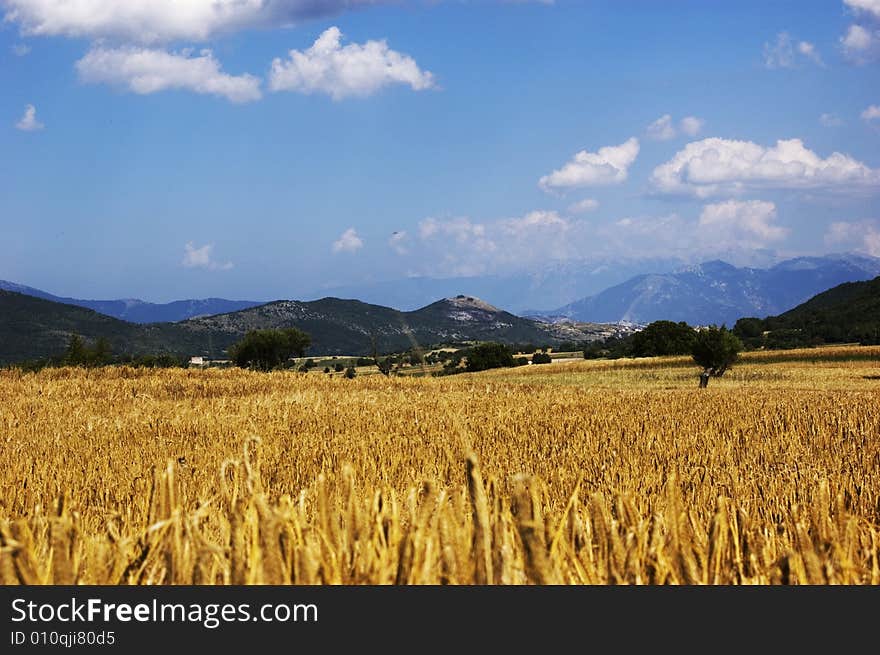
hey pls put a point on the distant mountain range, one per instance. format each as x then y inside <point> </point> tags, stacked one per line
<point>139,311</point>
<point>33,328</point>
<point>35,324</point>
<point>552,285</point>
<point>716,292</point>
<point>710,292</point>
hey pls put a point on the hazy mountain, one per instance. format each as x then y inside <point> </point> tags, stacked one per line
<point>716,292</point>
<point>140,311</point>
<point>552,286</point>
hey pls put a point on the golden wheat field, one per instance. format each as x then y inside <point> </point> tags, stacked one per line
<point>598,472</point>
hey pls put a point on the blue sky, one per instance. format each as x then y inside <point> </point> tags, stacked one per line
<point>426,138</point>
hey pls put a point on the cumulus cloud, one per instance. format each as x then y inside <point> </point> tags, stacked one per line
<point>664,129</point>
<point>749,224</point>
<point>145,71</point>
<point>152,21</point>
<point>872,113</point>
<point>202,258</point>
<point>343,71</point>
<point>584,206</point>
<point>860,236</point>
<point>28,121</point>
<point>871,7</point>
<point>830,120</point>
<point>785,52</point>
<point>860,44</point>
<point>349,241</point>
<point>722,166</point>
<point>607,166</point>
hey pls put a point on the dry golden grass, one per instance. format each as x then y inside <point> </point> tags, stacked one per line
<point>585,472</point>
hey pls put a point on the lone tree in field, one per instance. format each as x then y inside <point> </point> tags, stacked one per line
<point>269,349</point>
<point>715,349</point>
<point>663,338</point>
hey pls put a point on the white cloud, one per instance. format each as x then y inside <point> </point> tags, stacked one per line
<point>860,236</point>
<point>809,51</point>
<point>691,125</point>
<point>202,258</point>
<point>738,232</point>
<point>152,21</point>
<point>461,247</point>
<point>662,129</point>
<point>28,121</point>
<point>145,71</point>
<point>21,49</point>
<point>860,45</point>
<point>584,206</point>
<point>785,53</point>
<point>348,242</point>
<point>721,166</point>
<point>607,166</point>
<point>398,242</point>
<point>779,54</point>
<point>872,113</point>
<point>343,71</point>
<point>871,7</point>
<point>830,120</point>
<point>748,224</point>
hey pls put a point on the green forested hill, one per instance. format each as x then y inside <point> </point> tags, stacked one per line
<point>33,328</point>
<point>846,313</point>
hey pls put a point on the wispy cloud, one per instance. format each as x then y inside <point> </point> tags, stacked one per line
<point>830,120</point>
<point>872,113</point>
<point>785,52</point>
<point>584,206</point>
<point>664,128</point>
<point>349,241</point>
<point>860,236</point>
<point>203,258</point>
<point>28,121</point>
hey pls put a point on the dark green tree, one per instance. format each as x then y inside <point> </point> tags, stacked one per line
<point>77,352</point>
<point>541,358</point>
<point>102,353</point>
<point>489,355</point>
<point>715,349</point>
<point>269,349</point>
<point>663,338</point>
<point>350,373</point>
